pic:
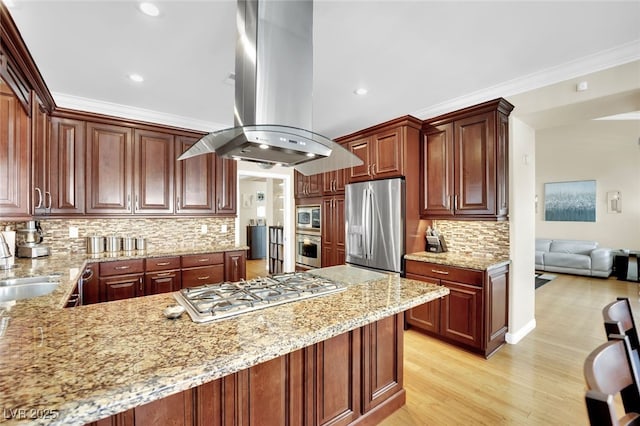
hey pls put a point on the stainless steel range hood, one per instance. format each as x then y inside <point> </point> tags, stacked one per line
<point>273,93</point>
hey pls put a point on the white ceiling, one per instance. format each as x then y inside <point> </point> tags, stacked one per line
<point>415,57</point>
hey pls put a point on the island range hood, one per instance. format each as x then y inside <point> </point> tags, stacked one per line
<point>273,93</point>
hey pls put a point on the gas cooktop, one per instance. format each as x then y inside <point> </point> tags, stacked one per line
<point>212,302</point>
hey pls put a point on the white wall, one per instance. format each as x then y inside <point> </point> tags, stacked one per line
<point>248,204</point>
<point>605,151</point>
<point>522,163</point>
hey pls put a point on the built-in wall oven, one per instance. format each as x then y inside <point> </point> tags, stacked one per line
<point>309,250</point>
<point>308,218</point>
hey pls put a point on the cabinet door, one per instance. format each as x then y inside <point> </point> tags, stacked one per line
<point>475,172</point>
<point>333,182</point>
<point>314,187</point>
<point>328,249</point>
<point>122,287</point>
<point>437,171</point>
<point>153,180</point>
<point>496,308</point>
<point>40,140</point>
<point>360,148</point>
<point>502,166</point>
<point>461,314</point>
<point>195,184</point>
<point>235,265</point>
<point>382,344</point>
<point>67,154</point>
<point>426,316</point>
<point>337,379</point>
<point>109,169</point>
<point>387,154</point>
<point>338,228</point>
<point>91,285</point>
<point>226,171</point>
<point>15,185</point>
<point>174,410</point>
<point>162,282</point>
<point>194,277</point>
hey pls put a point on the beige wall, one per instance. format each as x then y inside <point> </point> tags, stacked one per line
<point>607,151</point>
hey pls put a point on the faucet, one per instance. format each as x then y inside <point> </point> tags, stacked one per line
<point>5,253</point>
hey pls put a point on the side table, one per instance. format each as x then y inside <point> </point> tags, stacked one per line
<point>626,264</point>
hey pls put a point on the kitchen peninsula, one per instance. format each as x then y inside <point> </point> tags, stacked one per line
<point>124,359</point>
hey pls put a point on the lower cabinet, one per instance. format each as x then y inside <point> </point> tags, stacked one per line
<point>333,236</point>
<point>205,268</point>
<point>162,275</point>
<point>475,313</point>
<point>235,265</point>
<point>121,279</point>
<point>352,378</point>
<point>91,284</point>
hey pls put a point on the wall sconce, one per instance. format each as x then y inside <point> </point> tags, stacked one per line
<point>614,202</point>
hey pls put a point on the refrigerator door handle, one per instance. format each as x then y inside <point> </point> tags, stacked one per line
<point>364,230</point>
<point>370,223</point>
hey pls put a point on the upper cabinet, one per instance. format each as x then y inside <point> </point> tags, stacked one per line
<point>226,172</point>
<point>153,172</point>
<point>66,153</point>
<point>14,156</point>
<point>195,184</point>
<point>109,169</point>
<point>333,182</point>
<point>385,150</point>
<point>307,186</point>
<point>464,163</point>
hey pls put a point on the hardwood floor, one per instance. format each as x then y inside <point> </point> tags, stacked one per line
<point>257,268</point>
<point>539,381</point>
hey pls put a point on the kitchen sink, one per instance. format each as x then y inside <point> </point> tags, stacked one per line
<point>27,287</point>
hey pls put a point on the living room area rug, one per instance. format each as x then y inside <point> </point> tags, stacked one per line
<point>542,279</point>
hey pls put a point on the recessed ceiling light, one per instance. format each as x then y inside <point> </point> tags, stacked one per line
<point>361,91</point>
<point>136,77</point>
<point>149,9</point>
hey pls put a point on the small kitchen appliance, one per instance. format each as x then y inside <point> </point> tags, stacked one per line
<point>29,241</point>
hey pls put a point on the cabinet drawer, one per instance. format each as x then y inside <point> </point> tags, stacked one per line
<point>449,273</point>
<point>121,267</point>
<point>162,263</point>
<point>205,275</point>
<point>194,260</point>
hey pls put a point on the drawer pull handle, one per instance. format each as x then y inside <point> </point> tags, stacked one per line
<point>162,263</point>
<point>206,259</point>
<point>204,278</point>
<point>122,267</point>
<point>164,274</point>
<point>438,271</point>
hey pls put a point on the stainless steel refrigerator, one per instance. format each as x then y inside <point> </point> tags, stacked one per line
<point>374,214</point>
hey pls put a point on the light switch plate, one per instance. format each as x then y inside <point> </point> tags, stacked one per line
<point>223,228</point>
<point>204,229</point>
<point>73,232</point>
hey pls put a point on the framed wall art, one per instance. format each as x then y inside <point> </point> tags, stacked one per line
<point>570,201</point>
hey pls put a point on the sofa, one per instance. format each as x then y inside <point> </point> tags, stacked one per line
<point>573,257</point>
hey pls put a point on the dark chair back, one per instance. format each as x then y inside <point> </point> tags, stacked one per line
<point>602,411</point>
<point>609,369</point>
<point>618,319</point>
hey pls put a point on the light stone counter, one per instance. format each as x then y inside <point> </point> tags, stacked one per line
<point>89,362</point>
<point>480,263</point>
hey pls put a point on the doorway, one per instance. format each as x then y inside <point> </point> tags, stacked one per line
<point>265,200</point>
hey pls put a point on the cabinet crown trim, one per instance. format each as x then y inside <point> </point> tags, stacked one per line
<point>501,105</point>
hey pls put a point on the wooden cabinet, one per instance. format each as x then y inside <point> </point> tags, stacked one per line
<point>465,163</point>
<point>91,284</point>
<point>382,369</point>
<point>40,140</point>
<point>473,315</point>
<point>122,279</point>
<point>199,269</point>
<point>333,182</point>
<point>153,172</point>
<point>333,232</point>
<point>109,169</point>
<point>66,170</point>
<point>162,275</point>
<point>14,156</point>
<point>195,180</point>
<point>226,172</point>
<point>235,265</point>
<point>382,153</point>
<point>307,186</point>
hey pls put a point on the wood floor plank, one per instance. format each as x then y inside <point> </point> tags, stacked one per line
<point>539,381</point>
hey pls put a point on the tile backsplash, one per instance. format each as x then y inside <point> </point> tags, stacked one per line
<point>475,238</point>
<point>159,232</point>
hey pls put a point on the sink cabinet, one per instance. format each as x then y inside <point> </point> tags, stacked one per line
<point>464,163</point>
<point>475,313</point>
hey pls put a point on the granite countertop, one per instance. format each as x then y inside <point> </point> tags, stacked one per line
<point>461,260</point>
<point>89,362</point>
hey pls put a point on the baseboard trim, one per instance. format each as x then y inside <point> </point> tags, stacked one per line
<point>514,338</point>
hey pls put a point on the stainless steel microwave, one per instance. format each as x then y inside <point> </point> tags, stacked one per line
<point>308,218</point>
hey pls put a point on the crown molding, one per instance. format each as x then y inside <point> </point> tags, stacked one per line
<point>133,113</point>
<point>610,58</point>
